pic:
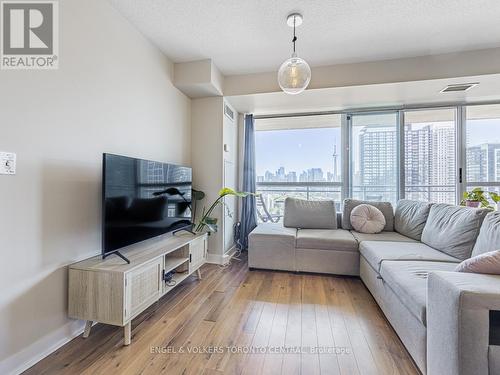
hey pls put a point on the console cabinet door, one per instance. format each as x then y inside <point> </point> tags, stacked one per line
<point>198,253</point>
<point>142,288</point>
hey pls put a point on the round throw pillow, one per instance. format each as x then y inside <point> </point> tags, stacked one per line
<point>366,218</point>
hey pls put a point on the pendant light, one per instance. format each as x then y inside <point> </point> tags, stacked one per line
<point>294,74</point>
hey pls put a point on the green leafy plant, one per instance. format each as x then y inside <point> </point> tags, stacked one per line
<point>476,195</point>
<point>211,222</point>
<point>197,195</point>
<point>494,197</point>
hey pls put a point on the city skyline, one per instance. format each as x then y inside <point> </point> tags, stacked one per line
<point>293,149</point>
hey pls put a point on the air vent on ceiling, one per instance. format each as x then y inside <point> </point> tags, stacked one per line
<point>228,112</point>
<point>459,87</point>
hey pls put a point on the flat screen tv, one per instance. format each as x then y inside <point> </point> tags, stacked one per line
<point>142,199</point>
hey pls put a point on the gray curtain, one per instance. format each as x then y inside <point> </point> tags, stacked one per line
<point>248,212</point>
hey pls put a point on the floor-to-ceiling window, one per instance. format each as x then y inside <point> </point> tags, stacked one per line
<point>430,155</point>
<point>374,156</point>
<point>482,147</point>
<point>299,157</point>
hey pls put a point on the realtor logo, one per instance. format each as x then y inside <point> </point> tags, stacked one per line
<point>29,37</point>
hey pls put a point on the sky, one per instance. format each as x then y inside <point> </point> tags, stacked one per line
<point>301,149</point>
<point>296,150</point>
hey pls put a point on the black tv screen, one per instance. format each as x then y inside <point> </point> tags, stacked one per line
<point>142,199</point>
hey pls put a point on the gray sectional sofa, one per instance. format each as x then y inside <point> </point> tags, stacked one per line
<point>448,321</point>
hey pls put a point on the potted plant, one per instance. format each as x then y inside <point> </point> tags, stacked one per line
<point>495,197</point>
<point>210,223</point>
<point>475,198</point>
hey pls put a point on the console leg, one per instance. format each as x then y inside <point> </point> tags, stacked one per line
<point>127,333</point>
<point>199,273</point>
<point>88,327</point>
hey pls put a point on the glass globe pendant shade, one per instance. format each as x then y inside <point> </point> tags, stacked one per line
<point>294,75</point>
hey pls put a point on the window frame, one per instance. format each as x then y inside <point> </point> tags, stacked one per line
<point>463,149</point>
<point>461,182</point>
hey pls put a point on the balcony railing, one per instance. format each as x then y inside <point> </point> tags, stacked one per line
<point>274,194</point>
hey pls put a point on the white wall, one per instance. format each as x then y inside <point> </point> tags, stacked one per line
<point>206,142</point>
<point>112,93</point>
<point>230,179</point>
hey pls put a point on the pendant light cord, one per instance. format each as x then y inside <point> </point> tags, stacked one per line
<point>294,37</point>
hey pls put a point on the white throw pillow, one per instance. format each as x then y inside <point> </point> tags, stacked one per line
<point>483,263</point>
<point>366,218</point>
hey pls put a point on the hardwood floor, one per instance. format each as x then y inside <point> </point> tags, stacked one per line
<point>242,309</point>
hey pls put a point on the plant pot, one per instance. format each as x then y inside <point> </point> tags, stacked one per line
<point>474,204</point>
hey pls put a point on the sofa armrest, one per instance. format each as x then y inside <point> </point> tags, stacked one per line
<point>458,322</point>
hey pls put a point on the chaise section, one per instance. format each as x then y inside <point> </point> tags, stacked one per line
<point>410,330</point>
<point>327,251</point>
<point>376,252</point>
<point>408,280</point>
<point>272,246</point>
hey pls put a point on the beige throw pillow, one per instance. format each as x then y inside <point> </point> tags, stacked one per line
<point>366,218</point>
<point>483,263</point>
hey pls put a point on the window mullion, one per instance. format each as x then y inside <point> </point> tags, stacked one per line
<point>461,150</point>
<point>401,155</point>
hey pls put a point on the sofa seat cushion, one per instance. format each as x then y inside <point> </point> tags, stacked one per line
<point>273,230</point>
<point>408,280</point>
<point>453,229</point>
<point>382,236</point>
<point>326,239</point>
<point>378,252</point>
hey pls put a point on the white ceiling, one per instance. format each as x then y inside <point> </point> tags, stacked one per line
<point>249,36</point>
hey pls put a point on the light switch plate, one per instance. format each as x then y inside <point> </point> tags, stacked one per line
<point>7,163</point>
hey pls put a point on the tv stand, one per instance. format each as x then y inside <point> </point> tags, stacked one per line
<point>183,229</point>
<point>117,253</point>
<point>111,292</point>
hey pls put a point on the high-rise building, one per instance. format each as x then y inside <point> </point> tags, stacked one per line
<point>483,162</point>
<point>303,177</point>
<point>291,177</point>
<point>442,162</point>
<point>417,145</point>
<point>378,162</point>
<point>315,175</point>
<point>269,177</point>
<point>280,174</point>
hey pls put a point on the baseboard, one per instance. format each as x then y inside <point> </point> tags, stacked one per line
<point>34,353</point>
<point>221,259</point>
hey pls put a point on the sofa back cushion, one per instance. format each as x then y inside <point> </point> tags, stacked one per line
<point>385,207</point>
<point>489,235</point>
<point>453,229</point>
<point>410,218</point>
<point>300,213</point>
